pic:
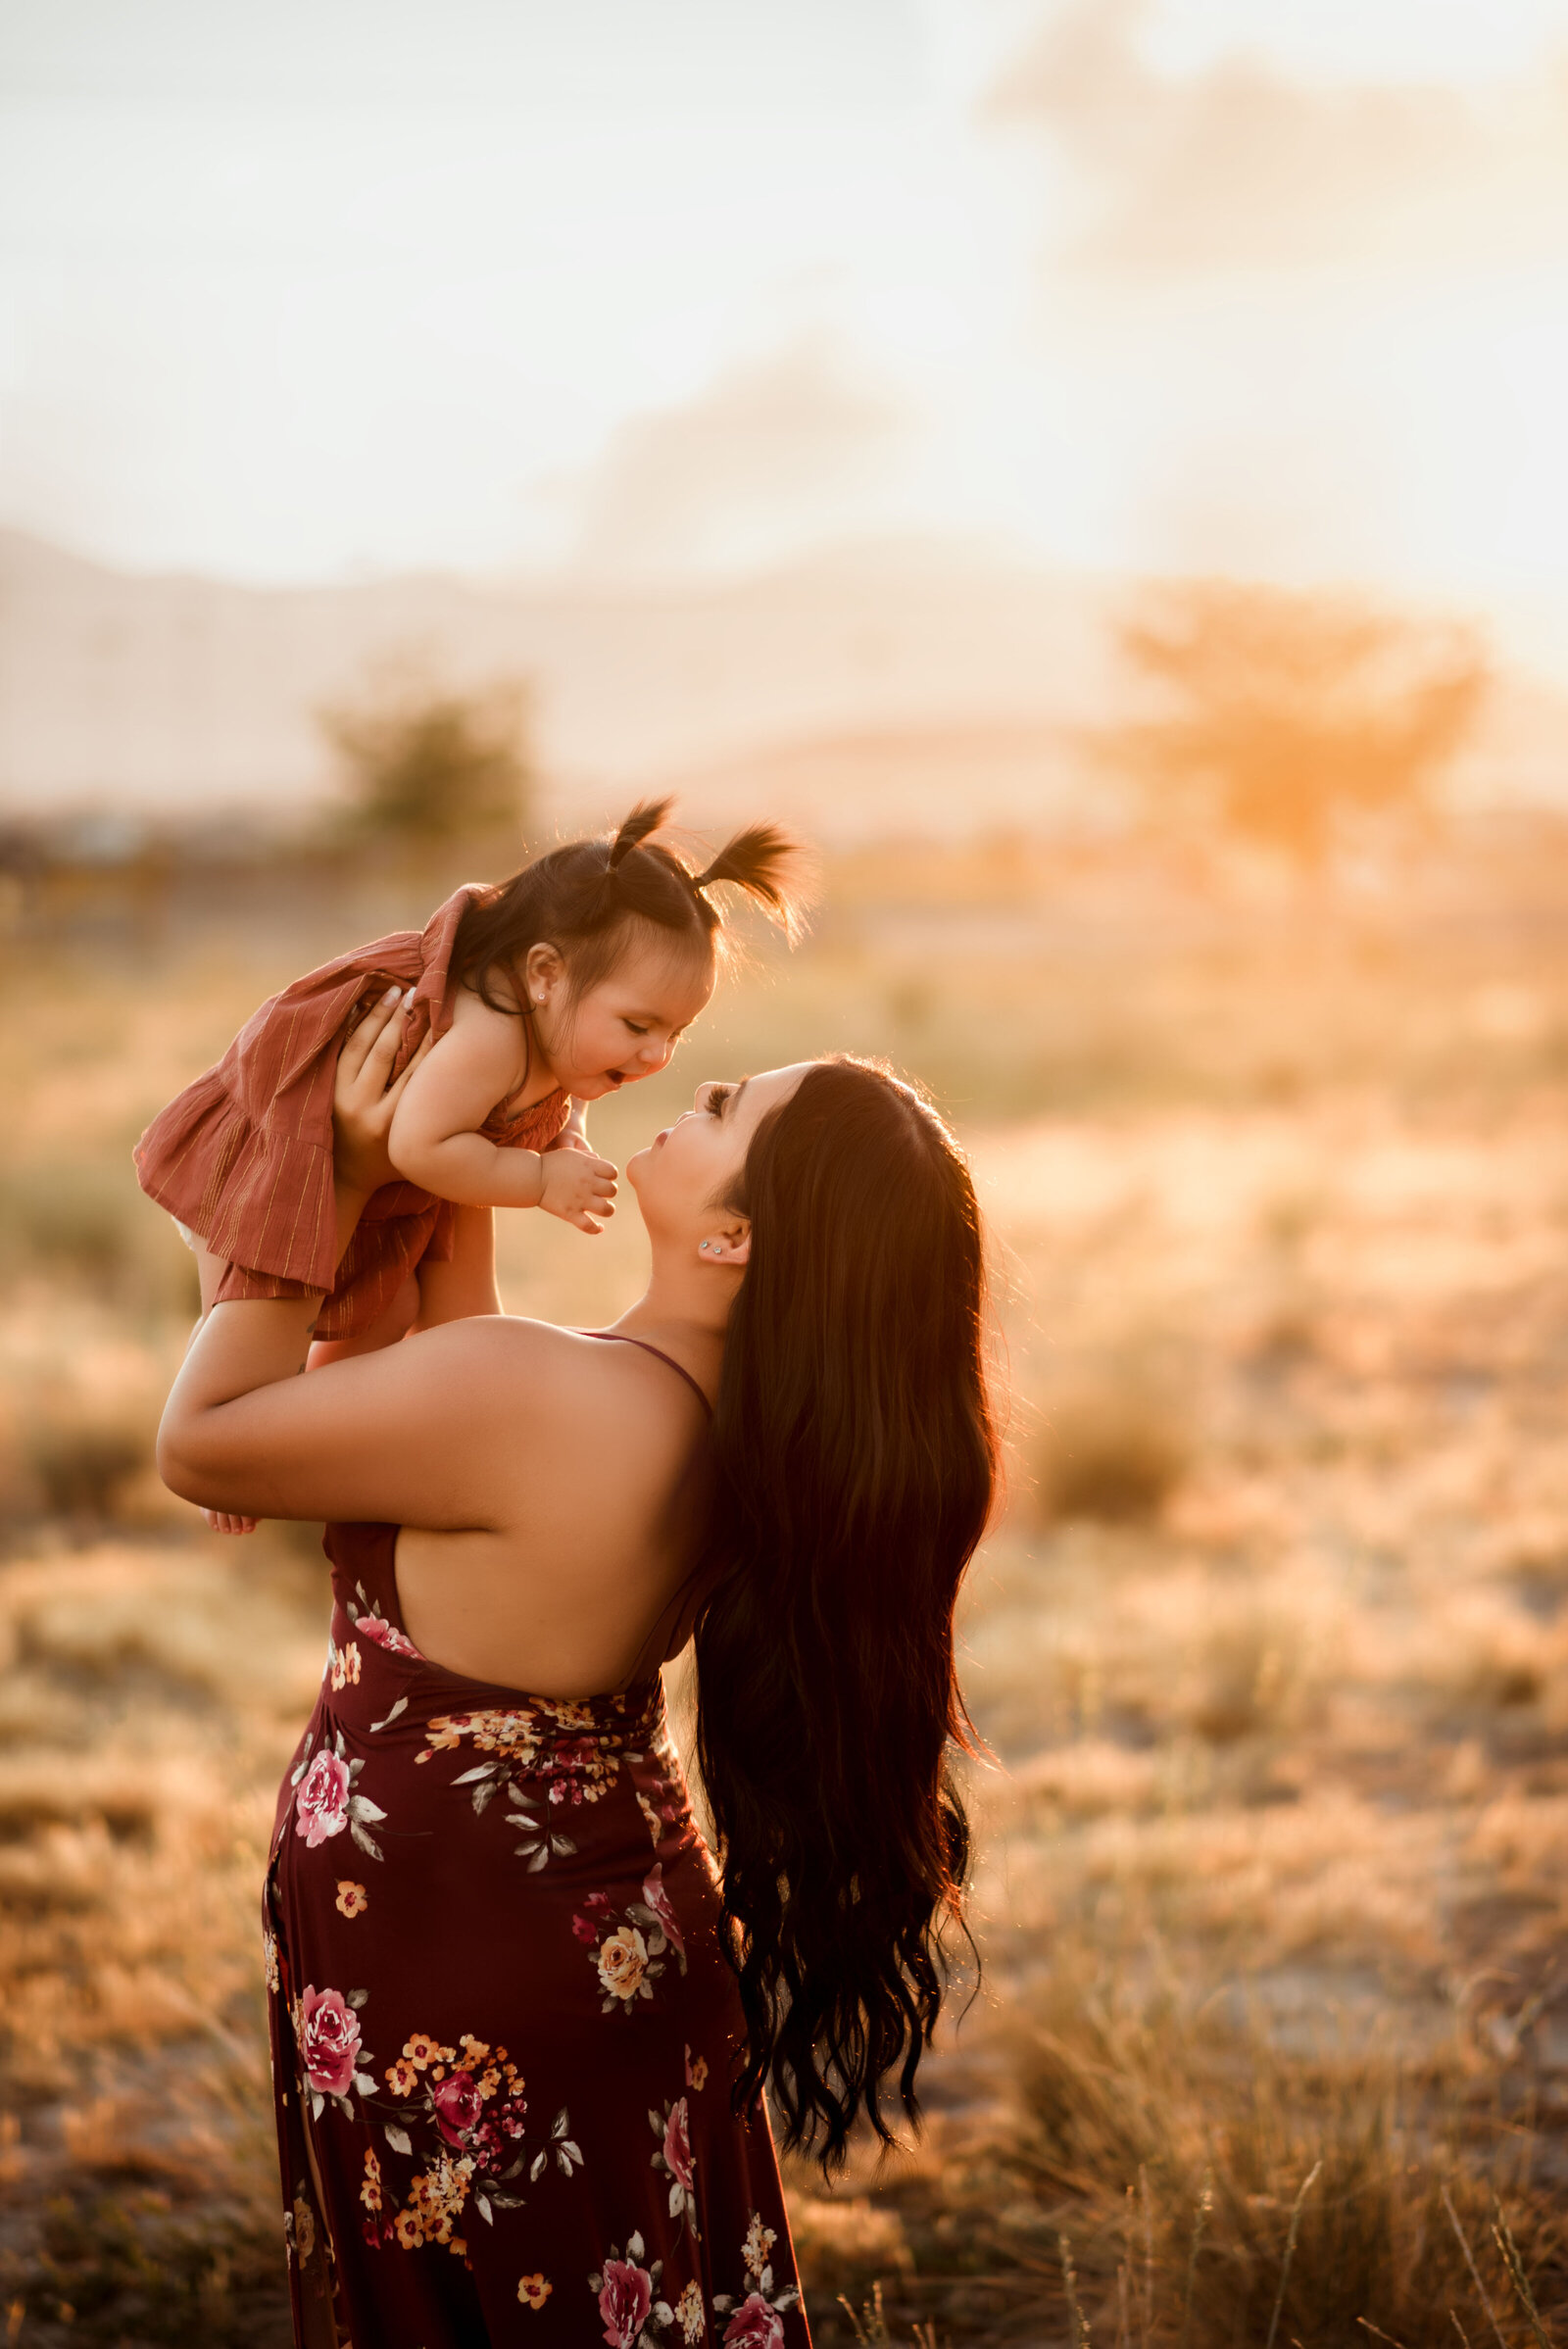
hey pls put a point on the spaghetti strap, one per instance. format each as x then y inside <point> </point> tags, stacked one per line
<point>621,1338</point>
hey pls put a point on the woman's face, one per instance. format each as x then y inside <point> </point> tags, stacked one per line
<point>694,1162</point>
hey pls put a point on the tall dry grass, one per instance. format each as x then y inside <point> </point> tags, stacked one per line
<point>1269,1651</point>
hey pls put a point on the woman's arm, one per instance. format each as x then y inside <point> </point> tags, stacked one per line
<point>428,1433</point>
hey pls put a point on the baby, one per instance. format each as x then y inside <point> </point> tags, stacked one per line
<point>541,994</point>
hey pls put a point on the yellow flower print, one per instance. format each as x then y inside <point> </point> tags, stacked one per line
<point>695,2071</point>
<point>534,2290</point>
<point>370,2190</point>
<point>421,2050</point>
<point>760,2241</point>
<point>304,2229</point>
<point>622,1962</point>
<point>443,1731</point>
<point>411,2234</point>
<point>346,1666</point>
<point>401,2079</point>
<point>689,2311</point>
<point>269,1959</point>
<point>352,1899</point>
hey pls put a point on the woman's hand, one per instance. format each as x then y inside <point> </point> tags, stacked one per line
<point>573,1134</point>
<point>362,1098</point>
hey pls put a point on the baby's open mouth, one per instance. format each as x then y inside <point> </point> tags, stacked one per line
<point>617,1076</point>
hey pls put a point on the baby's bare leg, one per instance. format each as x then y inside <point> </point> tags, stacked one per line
<point>209,1270</point>
<point>466,1284</point>
<point>391,1325</point>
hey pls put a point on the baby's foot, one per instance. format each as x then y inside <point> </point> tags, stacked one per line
<point>223,1521</point>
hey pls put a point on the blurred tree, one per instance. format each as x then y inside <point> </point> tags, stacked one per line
<point>426,763</point>
<point>1291,713</point>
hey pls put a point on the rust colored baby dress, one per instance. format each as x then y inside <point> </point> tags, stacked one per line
<point>243,1157</point>
<point>503,2024</point>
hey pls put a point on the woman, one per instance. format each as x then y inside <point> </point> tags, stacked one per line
<point>519,2031</point>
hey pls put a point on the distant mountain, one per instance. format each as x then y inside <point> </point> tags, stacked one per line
<point>923,685</point>
<point>150,692</point>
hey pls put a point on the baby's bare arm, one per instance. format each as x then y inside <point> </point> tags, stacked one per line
<point>435,1141</point>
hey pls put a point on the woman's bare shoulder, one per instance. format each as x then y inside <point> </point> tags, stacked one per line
<point>561,1366</point>
<point>575,1378</point>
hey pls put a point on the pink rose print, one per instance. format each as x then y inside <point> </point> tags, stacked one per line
<point>330,2040</point>
<point>659,1902</point>
<point>678,2145</point>
<point>322,1806</point>
<point>624,2300</point>
<point>385,1634</point>
<point>458,2105</point>
<point>755,2325</point>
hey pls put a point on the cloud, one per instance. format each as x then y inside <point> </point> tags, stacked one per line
<point>1240,168</point>
<point>769,451</point>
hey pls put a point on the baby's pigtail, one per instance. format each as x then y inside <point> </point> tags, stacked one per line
<point>766,863</point>
<point>646,816</point>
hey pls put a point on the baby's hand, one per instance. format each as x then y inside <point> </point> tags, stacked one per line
<point>577,1187</point>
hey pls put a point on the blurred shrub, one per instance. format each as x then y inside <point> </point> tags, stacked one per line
<point>1292,712</point>
<point>846,2247</point>
<point>77,1459</point>
<point>81,1465</point>
<point>428,764</point>
<point>1114,1451</point>
<point>1247,1681</point>
<point>85,1221</point>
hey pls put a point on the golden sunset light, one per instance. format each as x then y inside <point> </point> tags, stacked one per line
<point>784,912</point>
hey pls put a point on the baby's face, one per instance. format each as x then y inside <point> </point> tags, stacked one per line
<point>629,1023</point>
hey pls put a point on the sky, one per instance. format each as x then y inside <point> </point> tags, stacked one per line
<point>670,288</point>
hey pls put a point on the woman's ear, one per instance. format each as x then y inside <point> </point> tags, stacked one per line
<point>731,1247</point>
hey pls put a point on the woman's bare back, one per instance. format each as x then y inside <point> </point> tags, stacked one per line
<point>578,1588</point>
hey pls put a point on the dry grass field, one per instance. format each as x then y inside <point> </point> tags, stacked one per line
<point>1268,1656</point>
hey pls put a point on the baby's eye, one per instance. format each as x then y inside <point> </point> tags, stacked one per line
<point>717,1095</point>
<point>632,1024</point>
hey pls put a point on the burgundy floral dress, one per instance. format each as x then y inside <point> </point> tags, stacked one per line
<point>503,2025</point>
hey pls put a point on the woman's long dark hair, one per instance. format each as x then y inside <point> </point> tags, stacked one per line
<point>590,897</point>
<point>855,1458</point>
